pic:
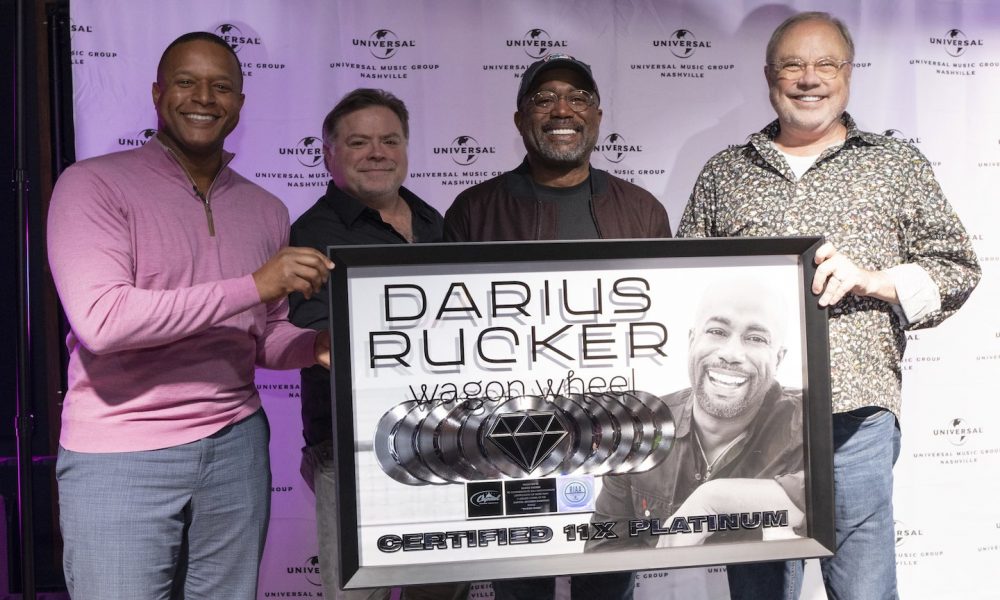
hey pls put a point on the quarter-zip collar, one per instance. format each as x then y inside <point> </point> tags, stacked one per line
<point>206,199</point>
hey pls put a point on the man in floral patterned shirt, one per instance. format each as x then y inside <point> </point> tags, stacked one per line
<point>896,258</point>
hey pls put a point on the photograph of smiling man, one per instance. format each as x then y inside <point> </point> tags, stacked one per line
<point>738,438</point>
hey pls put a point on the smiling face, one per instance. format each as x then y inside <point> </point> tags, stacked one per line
<point>561,138</point>
<point>810,107</point>
<point>198,96</point>
<point>735,349</point>
<point>367,155</point>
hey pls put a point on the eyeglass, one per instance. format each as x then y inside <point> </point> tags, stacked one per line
<point>544,101</point>
<point>826,68</point>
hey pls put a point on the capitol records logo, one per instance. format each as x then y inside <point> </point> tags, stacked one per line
<point>682,43</point>
<point>536,43</point>
<point>383,43</point>
<point>958,431</point>
<point>904,533</point>
<point>485,498</point>
<point>465,150</point>
<point>955,42</point>
<point>138,139</point>
<point>310,570</point>
<point>899,135</point>
<point>236,37</point>
<point>615,149</point>
<point>308,151</point>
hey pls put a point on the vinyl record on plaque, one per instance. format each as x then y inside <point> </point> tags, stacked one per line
<point>449,443</point>
<point>605,435</point>
<point>642,422</point>
<point>619,461</point>
<point>404,444</point>
<point>586,432</point>
<point>468,436</point>
<point>385,448</point>
<point>663,429</point>
<point>428,443</point>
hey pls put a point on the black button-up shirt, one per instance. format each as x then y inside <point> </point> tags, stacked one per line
<point>340,219</point>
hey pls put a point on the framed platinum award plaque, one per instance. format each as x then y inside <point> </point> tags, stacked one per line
<point>547,408</point>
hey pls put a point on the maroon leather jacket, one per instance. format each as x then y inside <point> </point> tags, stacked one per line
<point>506,208</point>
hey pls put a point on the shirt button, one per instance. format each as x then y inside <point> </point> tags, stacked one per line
<point>646,513</point>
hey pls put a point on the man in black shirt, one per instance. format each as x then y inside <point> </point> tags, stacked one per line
<point>364,148</point>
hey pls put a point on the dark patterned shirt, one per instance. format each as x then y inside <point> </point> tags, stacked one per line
<point>875,198</point>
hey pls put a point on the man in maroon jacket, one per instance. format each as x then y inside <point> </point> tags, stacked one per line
<point>556,195</point>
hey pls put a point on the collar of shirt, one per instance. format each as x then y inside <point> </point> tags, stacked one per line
<point>762,142</point>
<point>349,209</point>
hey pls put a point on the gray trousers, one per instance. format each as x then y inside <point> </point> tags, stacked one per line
<point>317,470</point>
<point>181,522</point>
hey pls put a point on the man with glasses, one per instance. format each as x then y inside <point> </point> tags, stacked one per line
<point>896,258</point>
<point>555,194</point>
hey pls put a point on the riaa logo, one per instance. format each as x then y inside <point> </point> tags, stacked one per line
<point>955,42</point>
<point>536,43</point>
<point>235,36</point>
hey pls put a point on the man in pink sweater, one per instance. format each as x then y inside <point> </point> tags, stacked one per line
<point>173,271</point>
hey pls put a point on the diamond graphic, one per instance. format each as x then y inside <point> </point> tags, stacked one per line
<point>527,437</point>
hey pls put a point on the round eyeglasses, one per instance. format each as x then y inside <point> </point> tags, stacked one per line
<point>544,101</point>
<point>826,68</point>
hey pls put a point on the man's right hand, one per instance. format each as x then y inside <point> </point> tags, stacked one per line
<point>302,270</point>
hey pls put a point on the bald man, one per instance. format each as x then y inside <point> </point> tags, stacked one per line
<point>738,444</point>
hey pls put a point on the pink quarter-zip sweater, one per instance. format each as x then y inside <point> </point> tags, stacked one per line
<point>166,322</point>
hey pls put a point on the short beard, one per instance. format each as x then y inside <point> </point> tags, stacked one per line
<point>721,410</point>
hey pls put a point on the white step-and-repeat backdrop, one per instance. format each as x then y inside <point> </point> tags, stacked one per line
<point>680,80</point>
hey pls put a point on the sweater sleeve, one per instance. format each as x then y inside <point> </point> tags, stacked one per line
<point>92,258</point>
<point>283,345</point>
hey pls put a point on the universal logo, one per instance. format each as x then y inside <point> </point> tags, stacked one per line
<point>536,43</point>
<point>236,37</point>
<point>682,43</point>
<point>138,139</point>
<point>309,570</point>
<point>74,28</point>
<point>308,151</point>
<point>615,149</point>
<point>904,533</point>
<point>899,135</point>
<point>383,43</point>
<point>955,42</point>
<point>958,431</point>
<point>465,150</point>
